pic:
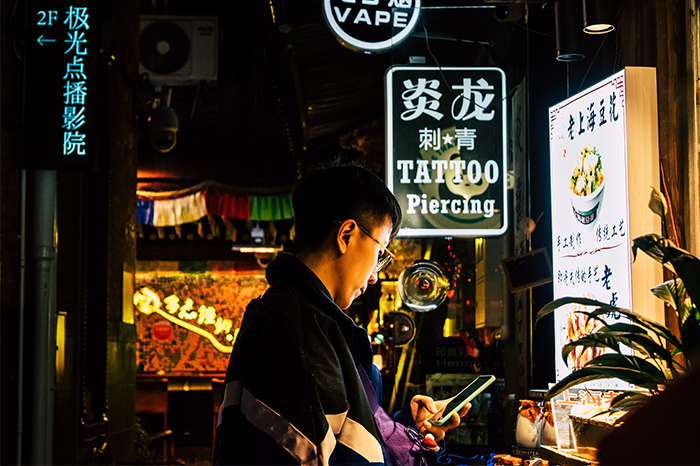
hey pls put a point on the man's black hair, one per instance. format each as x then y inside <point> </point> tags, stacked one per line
<point>330,194</point>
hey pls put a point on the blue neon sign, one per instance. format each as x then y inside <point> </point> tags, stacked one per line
<point>58,123</point>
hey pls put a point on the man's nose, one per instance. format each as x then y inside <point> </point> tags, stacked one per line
<point>374,277</point>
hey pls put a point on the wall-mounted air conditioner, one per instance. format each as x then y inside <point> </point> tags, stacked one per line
<point>179,50</point>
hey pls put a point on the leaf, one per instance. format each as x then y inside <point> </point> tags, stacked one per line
<point>671,292</point>
<point>593,340</point>
<point>630,362</point>
<point>690,334</point>
<point>612,339</point>
<point>630,369</point>
<point>633,369</point>
<point>575,378</point>
<point>657,203</point>
<point>629,400</point>
<point>557,303</point>
<point>660,331</point>
<point>590,373</point>
<point>653,245</point>
<point>623,327</point>
<point>687,267</point>
<point>605,310</point>
<point>682,262</point>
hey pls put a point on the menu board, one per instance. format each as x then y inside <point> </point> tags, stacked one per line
<point>593,220</point>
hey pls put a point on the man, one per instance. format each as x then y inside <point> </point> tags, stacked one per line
<point>293,390</point>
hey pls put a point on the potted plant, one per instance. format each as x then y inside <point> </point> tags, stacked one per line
<point>659,356</point>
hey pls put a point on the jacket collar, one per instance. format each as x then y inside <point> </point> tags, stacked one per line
<point>287,270</point>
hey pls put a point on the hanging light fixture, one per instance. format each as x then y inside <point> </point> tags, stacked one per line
<point>598,16</point>
<point>568,17</point>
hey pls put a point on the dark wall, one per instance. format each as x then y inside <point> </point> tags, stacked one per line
<point>94,397</point>
<point>97,244</point>
<point>10,179</point>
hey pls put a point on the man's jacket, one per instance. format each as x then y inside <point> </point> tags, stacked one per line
<point>293,394</point>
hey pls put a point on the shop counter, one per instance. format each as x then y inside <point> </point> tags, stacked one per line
<point>580,457</point>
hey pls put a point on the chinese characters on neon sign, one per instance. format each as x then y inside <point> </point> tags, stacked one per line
<point>60,71</point>
<point>185,315</point>
<point>75,81</point>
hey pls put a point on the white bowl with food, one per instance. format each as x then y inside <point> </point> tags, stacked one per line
<point>586,185</point>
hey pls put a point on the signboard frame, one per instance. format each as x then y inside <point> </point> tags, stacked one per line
<point>592,233</point>
<point>473,119</point>
<point>61,73</point>
<point>368,15</point>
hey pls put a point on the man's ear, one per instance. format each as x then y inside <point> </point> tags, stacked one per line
<point>345,232</point>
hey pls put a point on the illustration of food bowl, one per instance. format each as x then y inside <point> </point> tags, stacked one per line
<point>586,185</point>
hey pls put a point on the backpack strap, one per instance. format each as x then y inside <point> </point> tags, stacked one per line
<point>369,389</point>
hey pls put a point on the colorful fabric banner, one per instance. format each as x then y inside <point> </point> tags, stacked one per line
<point>144,211</point>
<point>172,208</point>
<point>271,207</point>
<point>171,212</point>
<point>226,205</point>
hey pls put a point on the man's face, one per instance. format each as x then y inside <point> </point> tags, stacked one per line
<point>360,261</point>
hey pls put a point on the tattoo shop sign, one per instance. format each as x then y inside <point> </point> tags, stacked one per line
<point>594,215</point>
<point>446,150</point>
<point>62,42</point>
<point>371,26</point>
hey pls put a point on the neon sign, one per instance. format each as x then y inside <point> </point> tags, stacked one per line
<point>60,60</point>
<point>147,302</point>
<point>370,27</point>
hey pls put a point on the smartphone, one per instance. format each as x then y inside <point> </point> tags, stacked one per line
<point>462,398</point>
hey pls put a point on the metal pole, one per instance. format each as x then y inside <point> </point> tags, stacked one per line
<point>44,254</point>
<point>20,325</point>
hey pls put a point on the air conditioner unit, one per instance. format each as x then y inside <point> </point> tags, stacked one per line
<point>179,50</point>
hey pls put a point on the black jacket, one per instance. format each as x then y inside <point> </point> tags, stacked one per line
<point>293,394</point>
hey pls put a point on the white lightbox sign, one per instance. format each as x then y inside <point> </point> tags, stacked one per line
<point>596,210</point>
<point>371,26</point>
<point>446,150</point>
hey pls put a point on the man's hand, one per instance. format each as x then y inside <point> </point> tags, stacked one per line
<point>423,407</point>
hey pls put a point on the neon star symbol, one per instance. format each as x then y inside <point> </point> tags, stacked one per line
<point>447,139</point>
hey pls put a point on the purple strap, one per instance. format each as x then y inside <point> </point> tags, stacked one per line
<point>402,443</point>
<point>369,390</point>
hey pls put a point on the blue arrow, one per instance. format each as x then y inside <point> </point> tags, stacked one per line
<point>41,37</point>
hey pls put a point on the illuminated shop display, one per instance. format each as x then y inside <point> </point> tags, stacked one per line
<point>187,321</point>
<point>446,149</point>
<point>604,158</point>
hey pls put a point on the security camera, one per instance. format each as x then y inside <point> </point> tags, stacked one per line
<point>163,126</point>
<point>507,12</point>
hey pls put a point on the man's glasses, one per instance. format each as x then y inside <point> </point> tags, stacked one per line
<point>385,258</point>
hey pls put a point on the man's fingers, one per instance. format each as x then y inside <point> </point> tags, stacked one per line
<point>437,432</point>
<point>429,404</point>
<point>465,409</point>
<point>452,423</point>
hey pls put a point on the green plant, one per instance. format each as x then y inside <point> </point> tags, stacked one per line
<point>659,355</point>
